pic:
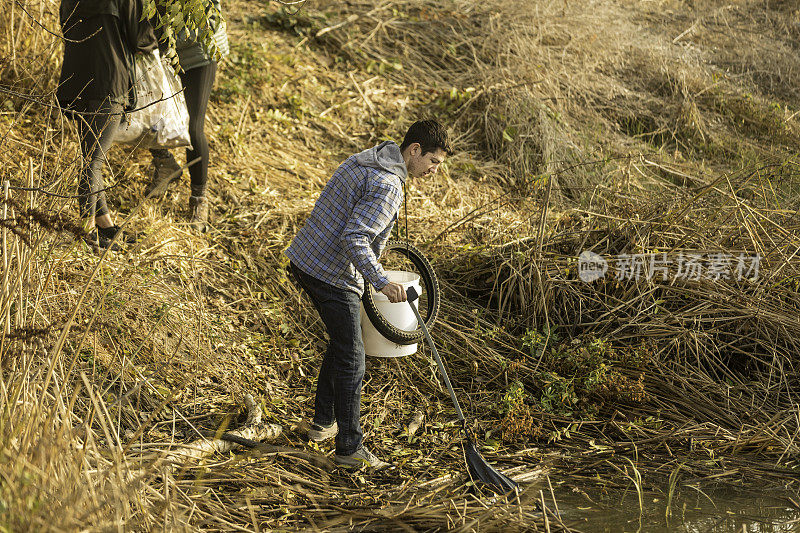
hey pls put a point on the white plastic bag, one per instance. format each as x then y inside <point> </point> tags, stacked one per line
<point>161,119</point>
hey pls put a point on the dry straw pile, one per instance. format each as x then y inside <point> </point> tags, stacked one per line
<point>620,128</point>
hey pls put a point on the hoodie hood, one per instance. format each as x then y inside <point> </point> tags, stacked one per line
<point>385,156</point>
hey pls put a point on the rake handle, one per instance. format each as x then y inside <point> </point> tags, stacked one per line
<point>413,296</point>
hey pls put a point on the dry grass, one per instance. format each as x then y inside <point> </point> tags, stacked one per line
<point>665,128</point>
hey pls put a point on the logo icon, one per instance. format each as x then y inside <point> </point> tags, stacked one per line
<point>591,266</point>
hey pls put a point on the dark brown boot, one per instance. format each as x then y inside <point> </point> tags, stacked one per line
<point>198,213</point>
<point>165,170</point>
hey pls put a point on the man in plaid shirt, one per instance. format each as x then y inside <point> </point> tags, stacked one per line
<point>335,251</point>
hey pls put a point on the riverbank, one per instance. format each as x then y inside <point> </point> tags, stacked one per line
<point>647,136</point>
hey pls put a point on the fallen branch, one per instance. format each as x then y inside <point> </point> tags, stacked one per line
<point>254,430</point>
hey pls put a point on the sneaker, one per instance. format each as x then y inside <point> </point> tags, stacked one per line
<point>110,232</point>
<point>165,170</point>
<point>102,237</point>
<point>319,433</point>
<point>361,458</point>
<point>198,213</point>
<point>94,240</point>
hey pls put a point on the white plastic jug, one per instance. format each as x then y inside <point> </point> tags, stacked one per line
<point>399,315</point>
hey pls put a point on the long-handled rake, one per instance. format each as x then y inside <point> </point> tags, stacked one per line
<point>478,468</point>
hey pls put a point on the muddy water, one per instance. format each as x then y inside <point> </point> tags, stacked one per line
<point>692,511</point>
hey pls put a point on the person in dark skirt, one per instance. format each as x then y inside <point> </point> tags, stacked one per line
<point>198,71</point>
<point>95,86</point>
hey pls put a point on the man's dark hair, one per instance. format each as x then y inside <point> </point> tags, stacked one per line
<point>430,135</point>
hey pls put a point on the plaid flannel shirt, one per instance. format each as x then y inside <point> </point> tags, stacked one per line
<point>345,234</point>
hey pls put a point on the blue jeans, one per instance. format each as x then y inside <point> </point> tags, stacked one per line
<point>342,371</point>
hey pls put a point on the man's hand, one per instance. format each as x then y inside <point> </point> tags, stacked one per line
<point>395,292</point>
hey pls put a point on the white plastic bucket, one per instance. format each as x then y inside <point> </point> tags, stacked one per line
<point>399,315</point>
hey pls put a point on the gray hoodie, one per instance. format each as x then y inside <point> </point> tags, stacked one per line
<point>385,156</point>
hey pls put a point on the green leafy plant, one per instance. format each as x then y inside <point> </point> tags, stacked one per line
<point>513,398</point>
<point>174,17</point>
<point>558,395</point>
<point>451,101</point>
<point>535,342</point>
<point>518,419</point>
<point>584,374</point>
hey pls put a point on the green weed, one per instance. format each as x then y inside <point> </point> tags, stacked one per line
<point>519,421</point>
<point>247,69</point>
<point>581,376</point>
<point>448,102</point>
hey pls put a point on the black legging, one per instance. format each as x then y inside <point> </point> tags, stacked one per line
<point>197,83</point>
<point>96,130</point>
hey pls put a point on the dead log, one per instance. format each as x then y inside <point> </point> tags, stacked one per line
<point>253,430</point>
